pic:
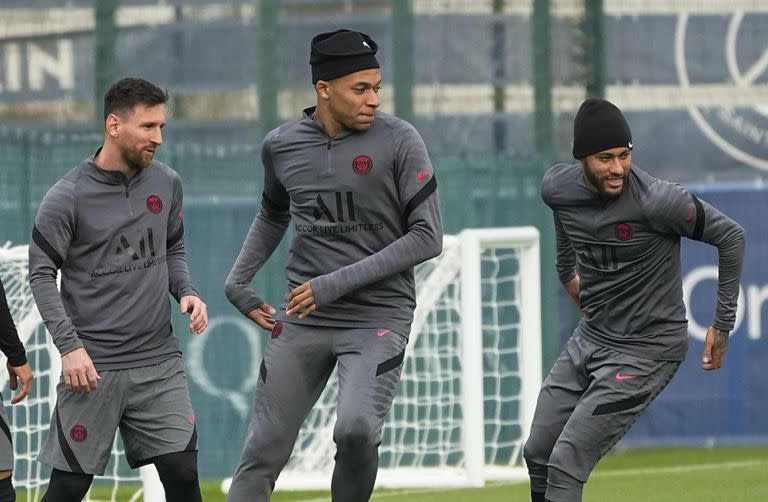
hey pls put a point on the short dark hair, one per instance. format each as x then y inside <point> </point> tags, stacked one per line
<point>129,92</point>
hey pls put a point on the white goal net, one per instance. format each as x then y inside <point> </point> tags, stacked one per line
<point>31,417</point>
<point>471,377</point>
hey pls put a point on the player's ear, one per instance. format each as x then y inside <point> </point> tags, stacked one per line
<point>112,125</point>
<point>322,88</point>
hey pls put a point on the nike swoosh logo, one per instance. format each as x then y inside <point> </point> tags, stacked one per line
<point>619,376</point>
<point>690,215</point>
<point>382,332</point>
<point>423,175</point>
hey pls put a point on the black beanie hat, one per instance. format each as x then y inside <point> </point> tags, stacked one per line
<point>599,126</point>
<point>338,53</point>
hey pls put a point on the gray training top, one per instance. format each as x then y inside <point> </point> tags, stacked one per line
<point>364,210</point>
<point>626,251</point>
<point>119,243</point>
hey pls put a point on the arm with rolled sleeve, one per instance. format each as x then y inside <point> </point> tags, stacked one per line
<point>179,281</point>
<point>420,210</point>
<point>265,234</point>
<point>672,209</point>
<point>53,231</point>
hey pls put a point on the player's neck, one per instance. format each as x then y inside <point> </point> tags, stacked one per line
<point>109,158</point>
<point>331,126</point>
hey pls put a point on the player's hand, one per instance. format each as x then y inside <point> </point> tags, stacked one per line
<point>715,345</point>
<point>24,373</point>
<point>79,373</point>
<point>263,316</point>
<point>301,300</point>
<point>573,288</point>
<point>198,313</point>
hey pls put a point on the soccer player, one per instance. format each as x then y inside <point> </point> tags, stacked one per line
<point>618,235</point>
<point>113,225</point>
<point>18,369</point>
<point>360,191</point>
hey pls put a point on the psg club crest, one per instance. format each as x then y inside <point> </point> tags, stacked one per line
<point>78,433</point>
<point>623,232</point>
<point>154,204</point>
<point>362,164</point>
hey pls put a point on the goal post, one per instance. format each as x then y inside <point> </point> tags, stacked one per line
<point>477,244</point>
<point>471,375</point>
<point>30,419</point>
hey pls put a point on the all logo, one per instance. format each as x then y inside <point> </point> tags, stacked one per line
<point>146,245</point>
<point>335,207</point>
<point>601,257</point>
<point>737,127</point>
<point>362,164</point>
<point>154,204</point>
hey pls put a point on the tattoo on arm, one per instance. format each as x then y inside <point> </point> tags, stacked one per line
<point>721,341</point>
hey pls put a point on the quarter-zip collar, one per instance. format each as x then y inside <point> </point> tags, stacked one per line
<point>114,178</point>
<point>309,118</point>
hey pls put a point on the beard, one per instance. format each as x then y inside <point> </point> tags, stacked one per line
<point>137,160</point>
<point>597,183</point>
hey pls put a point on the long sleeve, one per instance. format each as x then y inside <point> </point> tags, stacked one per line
<point>674,210</point>
<point>566,256</point>
<point>53,231</point>
<point>422,242</point>
<point>420,214</point>
<point>179,280</point>
<point>265,234</point>
<point>730,239</point>
<point>10,344</point>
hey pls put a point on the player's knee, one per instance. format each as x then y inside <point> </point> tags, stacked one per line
<point>536,458</point>
<point>356,434</point>
<point>178,468</point>
<point>536,453</point>
<point>7,493</point>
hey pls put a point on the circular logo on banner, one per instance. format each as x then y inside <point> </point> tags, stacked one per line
<point>78,433</point>
<point>724,111</point>
<point>623,232</point>
<point>362,164</point>
<point>154,204</point>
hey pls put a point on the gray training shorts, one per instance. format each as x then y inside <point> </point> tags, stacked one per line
<point>150,404</point>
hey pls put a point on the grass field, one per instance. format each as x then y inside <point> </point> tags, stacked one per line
<point>647,475</point>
